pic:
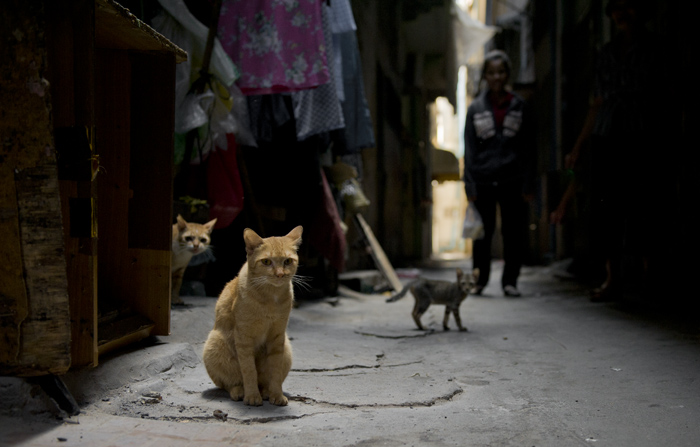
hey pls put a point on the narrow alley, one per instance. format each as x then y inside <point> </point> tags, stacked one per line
<point>547,369</point>
<point>152,149</point>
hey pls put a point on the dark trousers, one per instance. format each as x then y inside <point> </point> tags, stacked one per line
<point>508,196</point>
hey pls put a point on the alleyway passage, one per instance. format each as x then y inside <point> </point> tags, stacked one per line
<point>547,369</point>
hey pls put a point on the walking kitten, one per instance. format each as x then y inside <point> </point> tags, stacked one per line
<point>248,352</point>
<point>189,239</point>
<point>427,292</point>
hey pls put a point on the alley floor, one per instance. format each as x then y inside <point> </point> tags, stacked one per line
<point>549,368</point>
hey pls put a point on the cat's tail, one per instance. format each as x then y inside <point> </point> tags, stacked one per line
<point>399,295</point>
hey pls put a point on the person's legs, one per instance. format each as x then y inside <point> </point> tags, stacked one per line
<point>607,209</point>
<point>514,230</point>
<point>481,248</point>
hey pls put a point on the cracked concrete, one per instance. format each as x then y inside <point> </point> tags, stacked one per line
<point>548,369</point>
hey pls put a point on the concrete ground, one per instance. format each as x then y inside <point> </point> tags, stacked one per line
<point>547,369</point>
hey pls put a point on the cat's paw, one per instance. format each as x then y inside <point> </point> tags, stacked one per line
<point>278,399</point>
<point>236,393</point>
<point>254,400</point>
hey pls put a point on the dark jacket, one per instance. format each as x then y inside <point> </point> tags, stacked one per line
<point>493,155</point>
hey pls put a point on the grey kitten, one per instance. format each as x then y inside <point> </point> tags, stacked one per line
<point>430,291</point>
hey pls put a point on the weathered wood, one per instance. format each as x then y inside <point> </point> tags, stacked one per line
<point>117,28</point>
<point>13,294</point>
<point>123,331</point>
<point>380,258</point>
<point>34,324</point>
<point>70,41</point>
<point>57,390</point>
<point>45,345</point>
<point>49,256</point>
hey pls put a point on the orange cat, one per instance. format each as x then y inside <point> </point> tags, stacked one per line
<point>248,352</point>
<point>189,239</point>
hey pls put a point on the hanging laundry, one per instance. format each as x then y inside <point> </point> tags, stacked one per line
<point>267,114</point>
<point>341,21</point>
<point>341,17</point>
<point>224,186</point>
<point>326,231</point>
<point>182,28</point>
<point>318,110</point>
<point>279,45</point>
<point>359,132</point>
<point>218,110</point>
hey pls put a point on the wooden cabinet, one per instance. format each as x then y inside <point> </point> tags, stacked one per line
<point>86,124</point>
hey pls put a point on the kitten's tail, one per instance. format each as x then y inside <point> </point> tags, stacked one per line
<point>399,295</point>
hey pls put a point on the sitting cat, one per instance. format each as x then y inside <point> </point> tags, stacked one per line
<point>427,292</point>
<point>248,353</point>
<point>189,239</point>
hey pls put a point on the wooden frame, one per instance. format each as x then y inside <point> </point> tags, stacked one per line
<point>86,198</point>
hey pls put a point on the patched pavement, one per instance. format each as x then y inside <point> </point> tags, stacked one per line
<point>547,369</point>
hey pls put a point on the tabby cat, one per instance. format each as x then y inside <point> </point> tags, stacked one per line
<point>248,352</point>
<point>189,239</point>
<point>427,292</point>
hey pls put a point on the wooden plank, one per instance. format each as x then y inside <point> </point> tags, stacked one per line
<point>117,28</point>
<point>378,254</point>
<point>13,293</point>
<point>46,330</point>
<point>70,41</point>
<point>34,327</point>
<point>148,286</point>
<point>122,331</point>
<point>82,288</point>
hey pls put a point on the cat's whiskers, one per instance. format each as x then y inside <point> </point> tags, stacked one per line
<point>257,282</point>
<point>262,282</point>
<point>302,282</point>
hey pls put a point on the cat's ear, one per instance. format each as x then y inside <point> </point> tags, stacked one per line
<point>460,273</point>
<point>252,240</point>
<point>475,274</point>
<point>210,225</point>
<point>295,236</point>
<point>181,223</point>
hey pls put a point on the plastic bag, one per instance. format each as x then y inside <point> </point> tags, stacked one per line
<point>473,225</point>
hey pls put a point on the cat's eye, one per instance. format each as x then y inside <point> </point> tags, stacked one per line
<point>189,238</point>
<point>203,240</point>
<point>266,262</point>
<point>288,261</point>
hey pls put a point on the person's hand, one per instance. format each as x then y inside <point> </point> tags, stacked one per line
<point>571,158</point>
<point>557,216</point>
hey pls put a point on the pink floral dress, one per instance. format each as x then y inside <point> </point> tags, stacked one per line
<point>278,44</point>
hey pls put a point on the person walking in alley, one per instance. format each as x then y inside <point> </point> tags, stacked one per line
<point>626,125</point>
<point>499,170</point>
